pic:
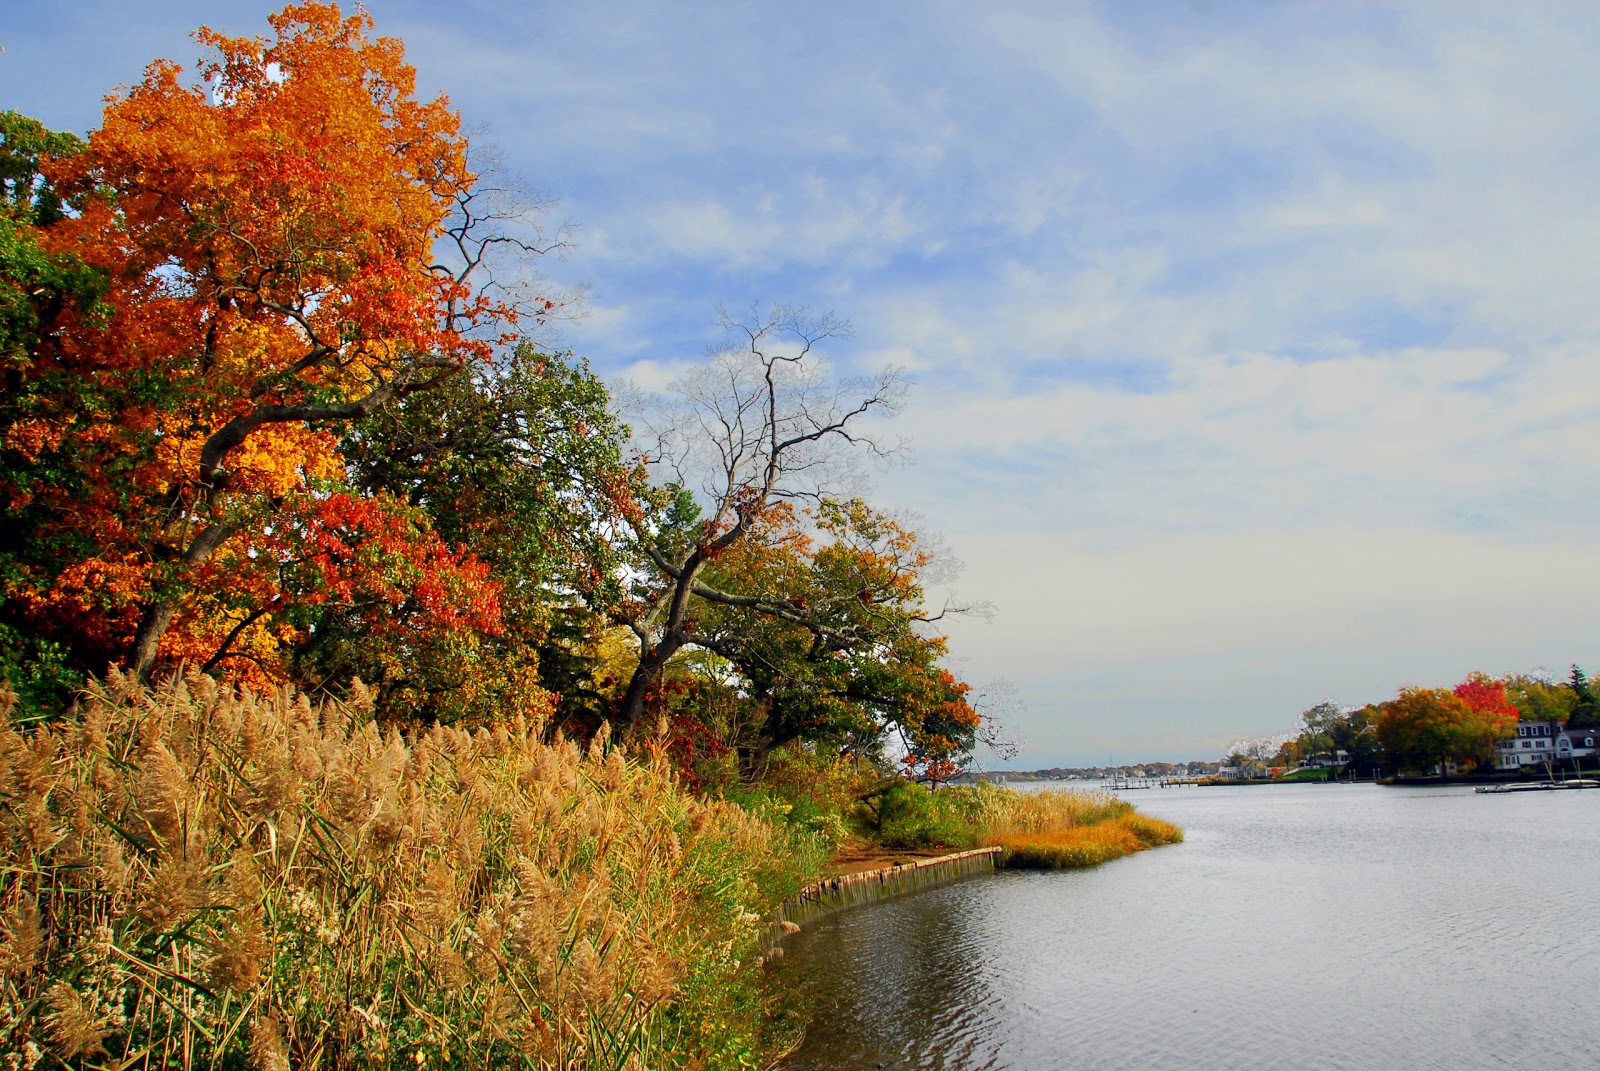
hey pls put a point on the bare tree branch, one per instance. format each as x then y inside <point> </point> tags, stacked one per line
<point>763,421</point>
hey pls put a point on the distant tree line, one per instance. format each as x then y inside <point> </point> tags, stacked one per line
<point>1423,728</point>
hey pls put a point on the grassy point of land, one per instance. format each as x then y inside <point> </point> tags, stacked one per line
<point>1051,829</point>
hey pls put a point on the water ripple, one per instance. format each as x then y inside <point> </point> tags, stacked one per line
<point>1322,928</point>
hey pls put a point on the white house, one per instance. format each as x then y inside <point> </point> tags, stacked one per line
<point>1534,744</point>
<point>1539,742</point>
<point>1577,744</point>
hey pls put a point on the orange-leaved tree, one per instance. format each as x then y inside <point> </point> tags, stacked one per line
<point>286,242</point>
<point>1424,726</point>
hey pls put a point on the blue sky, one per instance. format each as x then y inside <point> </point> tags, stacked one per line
<point>1255,343</point>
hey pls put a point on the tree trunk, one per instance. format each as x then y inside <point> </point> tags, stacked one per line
<point>645,674</point>
<point>652,660</point>
<point>147,640</point>
<point>754,758</point>
<point>158,614</point>
<point>753,762</point>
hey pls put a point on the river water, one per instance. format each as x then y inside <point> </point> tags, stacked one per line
<point>1298,926</point>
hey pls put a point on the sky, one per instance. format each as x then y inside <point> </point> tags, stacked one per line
<point>1254,344</point>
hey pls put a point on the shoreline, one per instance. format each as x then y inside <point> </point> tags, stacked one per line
<point>828,895</point>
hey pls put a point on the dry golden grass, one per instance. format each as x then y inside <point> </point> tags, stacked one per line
<point>1055,829</point>
<point>1037,829</point>
<point>199,878</point>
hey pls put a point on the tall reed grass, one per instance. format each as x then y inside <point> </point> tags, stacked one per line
<point>195,877</point>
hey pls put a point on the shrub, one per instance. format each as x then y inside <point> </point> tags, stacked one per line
<point>203,878</point>
<point>808,790</point>
<point>912,816</point>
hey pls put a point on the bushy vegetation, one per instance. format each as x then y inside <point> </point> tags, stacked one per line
<point>1069,845</point>
<point>911,816</point>
<point>202,878</point>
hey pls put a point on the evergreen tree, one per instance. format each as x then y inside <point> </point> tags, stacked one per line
<point>1586,711</point>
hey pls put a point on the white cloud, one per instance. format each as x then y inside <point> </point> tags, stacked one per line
<point>652,376</point>
<point>1250,343</point>
<point>1234,443</point>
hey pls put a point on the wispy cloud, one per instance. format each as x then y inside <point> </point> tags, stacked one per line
<point>1256,344</point>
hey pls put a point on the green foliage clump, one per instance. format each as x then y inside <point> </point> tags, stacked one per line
<point>807,790</point>
<point>39,673</point>
<point>913,816</point>
<point>1585,708</point>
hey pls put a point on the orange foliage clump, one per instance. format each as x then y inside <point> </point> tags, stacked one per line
<point>264,227</point>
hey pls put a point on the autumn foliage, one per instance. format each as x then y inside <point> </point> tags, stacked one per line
<point>269,415</point>
<point>262,235</point>
<point>1485,695</point>
<point>1426,727</point>
<point>824,624</point>
<point>274,432</point>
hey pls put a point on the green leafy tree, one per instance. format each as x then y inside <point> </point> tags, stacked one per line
<point>35,283</point>
<point>831,643</point>
<point>1317,737</point>
<point>1540,700</point>
<point>761,426</point>
<point>521,463</point>
<point>38,288</point>
<point>1355,733</point>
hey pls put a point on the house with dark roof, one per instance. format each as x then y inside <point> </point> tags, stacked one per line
<point>1576,745</point>
<point>1539,742</point>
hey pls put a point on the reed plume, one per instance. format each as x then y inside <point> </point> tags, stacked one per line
<point>201,877</point>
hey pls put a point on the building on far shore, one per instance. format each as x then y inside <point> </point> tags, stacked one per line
<point>1540,742</point>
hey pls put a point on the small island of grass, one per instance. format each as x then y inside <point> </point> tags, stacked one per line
<point>1054,829</point>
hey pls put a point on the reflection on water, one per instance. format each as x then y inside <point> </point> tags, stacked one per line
<point>1317,926</point>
